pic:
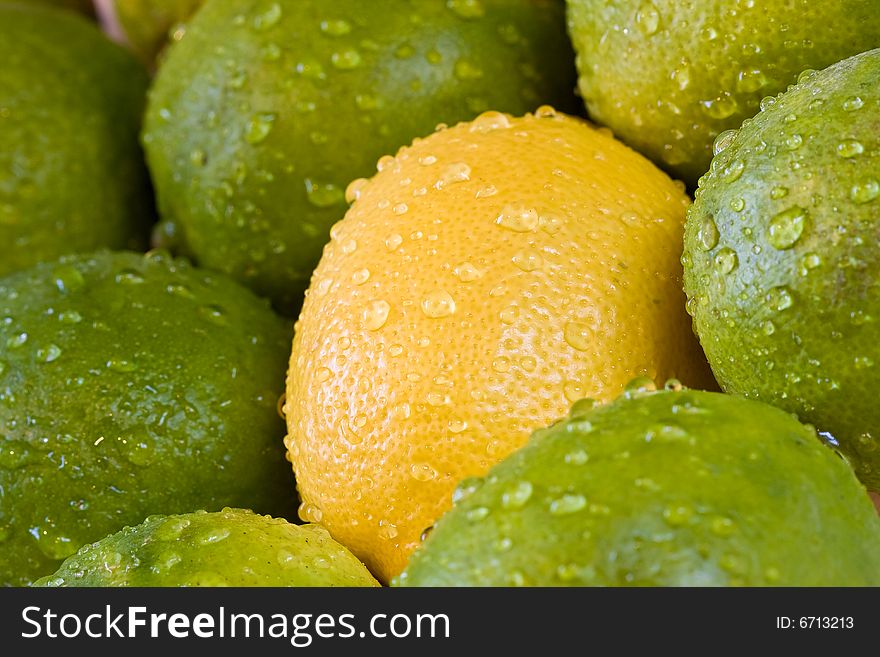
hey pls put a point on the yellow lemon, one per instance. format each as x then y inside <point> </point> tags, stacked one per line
<point>483,280</point>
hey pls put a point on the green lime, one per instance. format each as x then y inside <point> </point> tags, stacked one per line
<point>131,385</point>
<point>669,75</point>
<point>781,256</point>
<point>232,547</point>
<point>670,488</point>
<point>72,177</point>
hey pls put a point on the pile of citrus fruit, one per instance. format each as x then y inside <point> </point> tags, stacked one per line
<point>415,293</point>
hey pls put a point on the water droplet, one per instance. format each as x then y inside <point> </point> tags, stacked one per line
<point>476,514</point>
<point>766,103</point>
<point>322,374</point>
<point>528,364</point>
<point>179,290</point>
<point>323,287</point>
<point>723,140</point>
<point>794,142</point>
<point>121,365</point>
<point>466,487</point>
<point>465,70</point>
<point>323,195</point>
<point>214,314</point>
<point>52,543</point>
<point>435,398</point>
<point>454,173</point>
<point>171,529</point>
<point>640,385</point>
<point>375,314</point>
<point>806,75</point>
<point>466,8</point>
<point>489,121</point>
<point>69,317</point>
<point>810,261</point>
<point>361,276</point>
<point>501,364</point>
<point>346,59</point>
<point>393,241</point>
<point>863,362</point>
<point>786,228</point>
<point>198,157</point>
<point>165,560</point>
<point>567,504</point>
<point>865,191</point>
<point>355,189</point>
<point>310,512</point>
<point>509,315</point>
<point>437,304</point>
<point>517,496</point>
<point>574,390</point>
<point>528,260</point>
<point>336,27</point>
<point>733,171</point>
<point>708,235</point>
<point>68,278</point>
<point>286,559</point>
<point>778,192</point>
<point>577,457</point>
<point>722,526</point>
<point>681,74</point>
<point>768,328</point>
<point>518,219</point>
<point>400,209</point>
<point>779,298</point>
<point>268,18</point>
<point>503,544</point>
<point>772,574</point>
<point>737,204</point>
<point>486,192</point>
<point>422,472</point>
<point>258,127</point>
<point>578,335</point>
<point>16,341</point>
<point>673,385</point>
<point>49,354</point>
<point>387,531</point>
<point>272,52</point>
<point>213,536</point>
<point>720,107</point>
<point>751,80</point>
<point>129,277</point>
<point>732,563</point>
<point>648,18</point>
<point>14,454</point>
<point>427,160</point>
<point>466,272</point>
<point>850,148</point>
<point>404,51</point>
<point>311,70</point>
<point>457,426</point>
<point>852,104</point>
<point>676,516</point>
